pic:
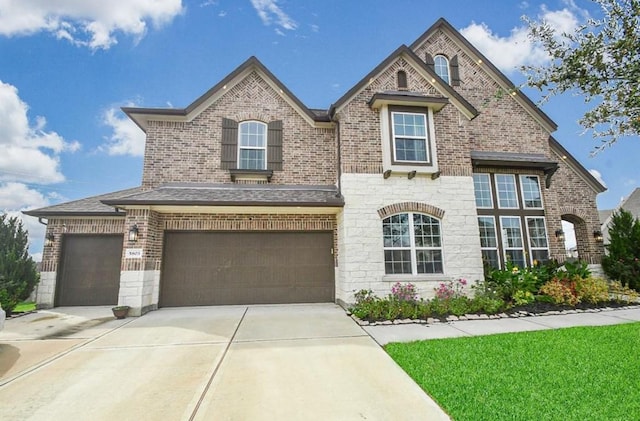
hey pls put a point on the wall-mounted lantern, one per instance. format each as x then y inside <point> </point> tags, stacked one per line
<point>560,235</point>
<point>49,240</point>
<point>133,233</point>
<point>597,235</point>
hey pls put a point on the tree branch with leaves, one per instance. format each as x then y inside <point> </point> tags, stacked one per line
<point>601,61</point>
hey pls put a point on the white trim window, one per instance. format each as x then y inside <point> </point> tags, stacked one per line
<point>530,189</point>
<point>410,140</point>
<point>252,145</point>
<point>506,189</point>
<point>441,67</point>
<point>482,189</point>
<point>512,240</point>
<point>489,241</point>
<point>538,241</point>
<point>412,244</point>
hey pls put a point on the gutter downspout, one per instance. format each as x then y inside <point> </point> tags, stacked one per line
<point>339,158</point>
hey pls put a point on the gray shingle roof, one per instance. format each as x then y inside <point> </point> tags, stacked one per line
<point>233,195</point>
<point>511,157</point>
<point>89,206</point>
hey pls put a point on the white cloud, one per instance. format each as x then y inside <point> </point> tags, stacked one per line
<point>126,138</point>
<point>598,176</point>
<point>90,23</point>
<point>16,197</point>
<point>29,153</point>
<point>314,28</point>
<point>510,52</point>
<point>269,11</point>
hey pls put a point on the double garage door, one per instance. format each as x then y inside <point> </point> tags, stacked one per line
<point>211,268</point>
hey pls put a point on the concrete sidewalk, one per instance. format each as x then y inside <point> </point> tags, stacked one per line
<point>384,334</point>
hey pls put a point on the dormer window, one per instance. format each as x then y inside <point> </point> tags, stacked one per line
<point>402,80</point>
<point>252,145</point>
<point>441,67</point>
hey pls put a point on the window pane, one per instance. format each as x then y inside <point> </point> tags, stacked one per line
<point>516,257</point>
<point>487,231</point>
<point>397,261</point>
<point>426,231</point>
<point>511,232</point>
<point>482,188</point>
<point>541,256</point>
<point>537,232</point>
<point>506,187</point>
<point>252,159</point>
<point>396,231</point>
<point>429,261</point>
<point>441,67</point>
<point>411,150</point>
<point>490,258</point>
<point>531,191</point>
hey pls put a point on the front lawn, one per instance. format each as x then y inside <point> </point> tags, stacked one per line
<point>582,373</point>
<point>24,307</point>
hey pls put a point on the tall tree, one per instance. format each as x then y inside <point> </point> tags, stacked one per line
<point>18,274</point>
<point>600,60</point>
<point>622,263</point>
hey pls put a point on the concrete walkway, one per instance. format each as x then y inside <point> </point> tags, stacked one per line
<point>281,362</point>
<point>385,334</point>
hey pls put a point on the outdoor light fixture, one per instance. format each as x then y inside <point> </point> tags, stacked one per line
<point>560,235</point>
<point>598,236</point>
<point>49,240</point>
<point>133,233</point>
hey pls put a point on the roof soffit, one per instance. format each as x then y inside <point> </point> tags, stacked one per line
<point>141,116</point>
<point>494,73</point>
<point>429,76</point>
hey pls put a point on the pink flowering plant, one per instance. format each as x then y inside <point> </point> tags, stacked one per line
<point>406,292</point>
<point>451,289</point>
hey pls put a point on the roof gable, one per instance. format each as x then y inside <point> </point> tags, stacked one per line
<point>493,72</point>
<point>429,75</point>
<point>142,115</point>
<point>573,163</point>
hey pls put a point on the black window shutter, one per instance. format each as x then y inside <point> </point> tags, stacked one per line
<point>455,74</point>
<point>274,146</point>
<point>229,150</point>
<point>428,59</point>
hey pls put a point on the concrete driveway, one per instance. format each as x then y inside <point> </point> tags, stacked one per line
<point>280,362</point>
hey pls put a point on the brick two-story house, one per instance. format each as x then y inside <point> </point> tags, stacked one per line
<point>429,166</point>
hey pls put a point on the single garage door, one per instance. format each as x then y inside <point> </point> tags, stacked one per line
<point>208,268</point>
<point>89,272</point>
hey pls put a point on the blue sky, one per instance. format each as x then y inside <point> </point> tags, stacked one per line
<point>66,68</point>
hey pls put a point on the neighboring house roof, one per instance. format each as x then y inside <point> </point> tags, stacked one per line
<point>198,194</point>
<point>440,85</point>
<point>497,75</point>
<point>142,115</point>
<point>90,206</point>
<point>603,215</point>
<point>564,155</point>
<point>631,204</point>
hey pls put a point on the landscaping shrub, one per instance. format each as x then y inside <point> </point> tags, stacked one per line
<point>622,262</point>
<point>622,293</point>
<point>513,279</point>
<point>592,290</point>
<point>572,270</point>
<point>561,291</point>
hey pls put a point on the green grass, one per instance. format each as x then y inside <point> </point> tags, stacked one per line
<point>583,373</point>
<point>24,307</point>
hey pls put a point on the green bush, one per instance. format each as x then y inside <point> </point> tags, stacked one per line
<point>622,293</point>
<point>592,290</point>
<point>622,261</point>
<point>18,274</point>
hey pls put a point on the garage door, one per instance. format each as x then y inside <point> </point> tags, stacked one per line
<point>89,272</point>
<point>247,268</point>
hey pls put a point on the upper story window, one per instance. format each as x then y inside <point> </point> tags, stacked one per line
<point>252,145</point>
<point>441,67</point>
<point>409,137</point>
<point>531,196</point>
<point>482,187</point>
<point>506,188</point>
<point>412,244</point>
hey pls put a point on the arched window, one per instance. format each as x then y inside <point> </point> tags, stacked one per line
<point>252,145</point>
<point>412,244</point>
<point>402,79</point>
<point>441,67</point>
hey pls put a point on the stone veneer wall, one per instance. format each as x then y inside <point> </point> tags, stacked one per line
<point>190,152</point>
<point>361,259</point>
